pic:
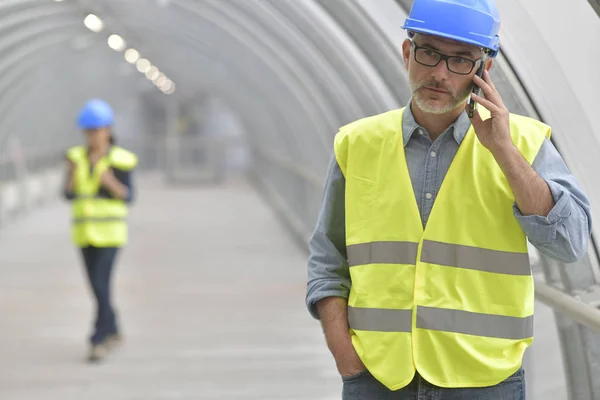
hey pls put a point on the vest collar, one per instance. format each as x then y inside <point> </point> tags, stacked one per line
<point>410,127</point>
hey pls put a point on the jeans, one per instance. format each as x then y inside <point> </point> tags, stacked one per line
<point>363,386</point>
<point>99,264</point>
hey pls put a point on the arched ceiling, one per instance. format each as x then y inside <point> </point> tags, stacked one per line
<point>287,67</point>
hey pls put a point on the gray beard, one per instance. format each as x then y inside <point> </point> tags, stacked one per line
<point>428,107</point>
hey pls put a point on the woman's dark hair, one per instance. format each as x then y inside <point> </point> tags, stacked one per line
<point>112,139</point>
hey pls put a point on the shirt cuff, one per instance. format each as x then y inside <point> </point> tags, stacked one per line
<point>540,229</point>
<point>314,299</point>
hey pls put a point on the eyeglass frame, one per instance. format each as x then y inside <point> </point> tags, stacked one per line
<point>443,57</point>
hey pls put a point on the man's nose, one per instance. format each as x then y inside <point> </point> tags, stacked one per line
<point>440,71</point>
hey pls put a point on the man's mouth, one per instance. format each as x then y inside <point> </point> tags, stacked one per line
<point>436,90</point>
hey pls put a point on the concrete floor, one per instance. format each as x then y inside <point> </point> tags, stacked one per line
<point>210,294</point>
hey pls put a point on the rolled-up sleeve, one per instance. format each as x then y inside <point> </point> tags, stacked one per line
<point>563,234</point>
<point>328,271</point>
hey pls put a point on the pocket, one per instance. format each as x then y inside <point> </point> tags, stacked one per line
<point>512,388</point>
<point>355,376</point>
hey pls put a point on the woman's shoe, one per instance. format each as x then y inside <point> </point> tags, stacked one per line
<point>97,353</point>
<point>113,340</point>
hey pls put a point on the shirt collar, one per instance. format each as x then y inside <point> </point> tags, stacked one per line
<point>410,127</point>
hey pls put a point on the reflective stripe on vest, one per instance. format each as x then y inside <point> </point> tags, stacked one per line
<point>454,299</point>
<point>458,256</point>
<point>439,319</point>
<point>382,253</point>
<point>97,219</point>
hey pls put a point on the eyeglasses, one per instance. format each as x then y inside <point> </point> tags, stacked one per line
<point>431,58</point>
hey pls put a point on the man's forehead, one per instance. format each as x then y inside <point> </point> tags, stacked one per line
<point>447,44</point>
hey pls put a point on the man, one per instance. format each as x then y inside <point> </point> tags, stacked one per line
<point>419,269</point>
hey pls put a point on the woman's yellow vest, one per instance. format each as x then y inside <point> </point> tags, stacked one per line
<point>454,300</point>
<point>98,222</point>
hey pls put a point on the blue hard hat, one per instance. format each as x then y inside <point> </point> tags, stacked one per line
<point>95,114</point>
<point>471,21</point>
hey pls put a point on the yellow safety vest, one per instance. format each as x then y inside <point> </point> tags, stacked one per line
<point>98,222</point>
<point>454,300</point>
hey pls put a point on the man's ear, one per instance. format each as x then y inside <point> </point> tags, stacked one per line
<point>406,48</point>
<point>488,64</point>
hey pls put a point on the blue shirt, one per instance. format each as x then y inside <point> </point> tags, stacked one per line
<point>562,235</point>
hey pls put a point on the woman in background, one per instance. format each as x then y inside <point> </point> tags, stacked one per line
<point>99,185</point>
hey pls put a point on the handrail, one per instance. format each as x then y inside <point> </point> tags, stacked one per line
<point>569,306</point>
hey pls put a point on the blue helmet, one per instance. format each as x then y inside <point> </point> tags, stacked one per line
<point>95,114</point>
<point>471,21</point>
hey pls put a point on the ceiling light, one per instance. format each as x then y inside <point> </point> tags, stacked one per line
<point>152,73</point>
<point>93,23</point>
<point>166,85</point>
<point>116,42</point>
<point>160,80</point>
<point>143,65</point>
<point>132,56</point>
<point>58,1</point>
<point>171,90</point>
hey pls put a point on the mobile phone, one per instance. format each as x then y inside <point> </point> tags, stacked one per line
<point>477,90</point>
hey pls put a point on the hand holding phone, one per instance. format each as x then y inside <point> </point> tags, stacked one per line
<point>477,90</point>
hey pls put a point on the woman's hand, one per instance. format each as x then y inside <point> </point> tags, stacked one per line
<point>112,184</point>
<point>108,179</point>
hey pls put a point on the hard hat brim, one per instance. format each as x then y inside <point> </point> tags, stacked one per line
<point>491,52</point>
